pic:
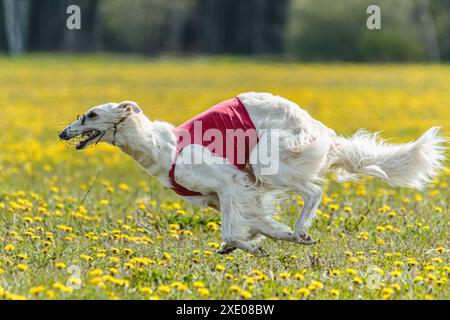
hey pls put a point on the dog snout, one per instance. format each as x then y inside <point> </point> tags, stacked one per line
<point>64,135</point>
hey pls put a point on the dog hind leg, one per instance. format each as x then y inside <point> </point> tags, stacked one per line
<point>312,195</point>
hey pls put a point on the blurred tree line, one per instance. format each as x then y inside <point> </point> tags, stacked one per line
<point>303,29</point>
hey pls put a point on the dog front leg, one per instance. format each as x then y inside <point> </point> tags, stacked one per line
<point>225,212</point>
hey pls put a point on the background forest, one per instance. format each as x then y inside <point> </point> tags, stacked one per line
<point>411,30</point>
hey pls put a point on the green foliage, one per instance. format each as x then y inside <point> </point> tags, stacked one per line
<point>393,46</point>
<point>321,30</point>
<point>144,26</point>
<point>303,29</point>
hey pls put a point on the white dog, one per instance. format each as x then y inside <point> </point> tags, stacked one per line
<point>306,150</point>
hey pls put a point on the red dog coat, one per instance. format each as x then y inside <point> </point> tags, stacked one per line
<point>229,118</point>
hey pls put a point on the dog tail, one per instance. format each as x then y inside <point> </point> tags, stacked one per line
<point>412,164</point>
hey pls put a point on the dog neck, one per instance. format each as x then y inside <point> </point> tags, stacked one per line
<point>149,143</point>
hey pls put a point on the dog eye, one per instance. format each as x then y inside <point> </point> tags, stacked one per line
<point>92,115</point>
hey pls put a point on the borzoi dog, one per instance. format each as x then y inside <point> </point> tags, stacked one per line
<point>305,150</point>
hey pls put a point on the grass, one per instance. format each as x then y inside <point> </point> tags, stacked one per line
<point>92,225</point>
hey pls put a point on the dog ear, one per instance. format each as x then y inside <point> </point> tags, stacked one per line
<point>129,107</point>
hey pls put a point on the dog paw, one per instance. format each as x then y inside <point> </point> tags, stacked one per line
<point>226,248</point>
<point>304,238</point>
<point>259,252</point>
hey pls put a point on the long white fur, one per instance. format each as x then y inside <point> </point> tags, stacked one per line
<point>411,164</point>
<point>308,149</point>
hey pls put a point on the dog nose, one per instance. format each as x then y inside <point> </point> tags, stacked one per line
<point>63,135</point>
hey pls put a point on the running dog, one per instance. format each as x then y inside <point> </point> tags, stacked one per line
<point>229,177</point>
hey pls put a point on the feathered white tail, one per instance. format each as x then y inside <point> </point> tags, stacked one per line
<point>411,164</point>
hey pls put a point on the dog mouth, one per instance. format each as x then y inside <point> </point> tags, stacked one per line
<point>88,136</point>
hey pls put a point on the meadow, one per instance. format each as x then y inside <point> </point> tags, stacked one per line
<point>92,225</point>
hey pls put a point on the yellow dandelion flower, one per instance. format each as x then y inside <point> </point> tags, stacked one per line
<point>212,226</point>
<point>334,292</point>
<point>429,268</point>
<point>15,297</point>
<point>59,286</point>
<point>146,290</point>
<point>22,256</point>
<point>96,273</point>
<point>392,214</point>
<point>207,253</point>
<point>113,271</point>
<point>387,293</point>
<point>213,245</point>
<point>97,280</point>
<point>86,257</point>
<point>204,292</point>
<point>220,267</point>
<point>357,280</point>
<point>176,284</point>
<point>431,277</point>
<point>124,187</point>
<point>198,284</point>
<point>396,286</point>
<point>350,271</point>
<point>437,260</point>
<point>348,209</point>
<point>412,262</point>
<point>441,282</point>
<point>333,207</point>
<point>335,272</point>
<point>22,266</point>
<point>440,249</point>
<point>303,292</point>
<point>182,287</point>
<point>299,276</point>
<point>36,290</point>
<point>128,251</point>
<point>396,273</point>
<point>28,219</point>
<point>315,285</point>
<point>285,275</point>
<point>353,259</point>
<point>164,289</point>
<point>235,288</point>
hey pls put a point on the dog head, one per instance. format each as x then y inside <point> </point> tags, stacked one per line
<point>99,124</point>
